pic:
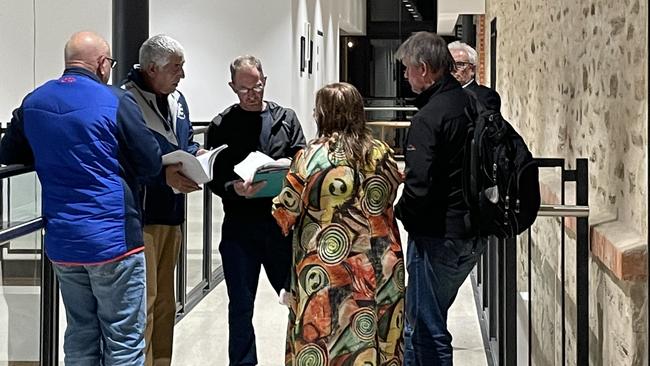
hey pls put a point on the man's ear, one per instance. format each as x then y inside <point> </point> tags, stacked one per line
<point>423,68</point>
<point>151,68</point>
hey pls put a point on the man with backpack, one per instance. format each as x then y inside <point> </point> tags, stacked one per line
<point>442,249</point>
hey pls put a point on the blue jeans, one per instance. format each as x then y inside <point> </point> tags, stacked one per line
<point>437,268</point>
<point>106,312</point>
<point>246,245</point>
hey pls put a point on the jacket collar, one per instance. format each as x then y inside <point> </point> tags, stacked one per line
<point>135,75</point>
<point>81,71</point>
<point>447,82</point>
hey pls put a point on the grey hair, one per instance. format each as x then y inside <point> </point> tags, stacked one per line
<point>428,48</point>
<point>158,49</point>
<point>460,46</point>
<point>243,62</point>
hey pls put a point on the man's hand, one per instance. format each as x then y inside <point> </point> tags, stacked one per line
<point>246,189</point>
<point>178,181</point>
<point>200,152</point>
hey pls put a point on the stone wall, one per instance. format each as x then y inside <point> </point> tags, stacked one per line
<point>573,79</point>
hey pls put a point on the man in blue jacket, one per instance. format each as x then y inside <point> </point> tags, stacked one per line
<point>90,148</point>
<point>153,83</point>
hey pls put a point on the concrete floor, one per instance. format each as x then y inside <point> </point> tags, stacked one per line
<point>201,337</point>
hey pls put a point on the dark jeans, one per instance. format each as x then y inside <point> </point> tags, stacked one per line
<point>246,245</point>
<point>437,268</point>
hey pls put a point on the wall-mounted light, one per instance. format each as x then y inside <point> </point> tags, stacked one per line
<point>350,44</point>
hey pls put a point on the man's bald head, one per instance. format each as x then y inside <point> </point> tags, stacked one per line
<point>88,50</point>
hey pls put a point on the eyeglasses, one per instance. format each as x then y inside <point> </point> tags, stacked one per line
<point>256,89</point>
<point>461,65</point>
<point>112,61</point>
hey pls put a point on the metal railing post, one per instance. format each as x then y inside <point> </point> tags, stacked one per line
<point>498,283</point>
<point>509,314</point>
<point>49,347</point>
<point>582,264</point>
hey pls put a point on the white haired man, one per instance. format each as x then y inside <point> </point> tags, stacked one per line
<point>465,59</point>
<point>153,83</point>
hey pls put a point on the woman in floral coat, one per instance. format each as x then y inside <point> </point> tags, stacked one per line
<point>347,280</point>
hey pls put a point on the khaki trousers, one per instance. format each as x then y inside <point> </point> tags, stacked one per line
<point>161,246</point>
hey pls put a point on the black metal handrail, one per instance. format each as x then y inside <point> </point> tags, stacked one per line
<point>495,280</point>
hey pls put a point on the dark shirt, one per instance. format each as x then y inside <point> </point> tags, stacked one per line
<point>276,132</point>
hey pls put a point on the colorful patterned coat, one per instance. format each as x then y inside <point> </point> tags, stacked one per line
<point>347,280</point>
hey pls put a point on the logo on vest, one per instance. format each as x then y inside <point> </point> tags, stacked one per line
<point>67,79</point>
<point>181,112</point>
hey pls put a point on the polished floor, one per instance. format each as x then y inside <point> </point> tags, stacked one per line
<point>201,337</point>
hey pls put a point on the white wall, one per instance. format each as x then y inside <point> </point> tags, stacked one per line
<point>213,33</point>
<point>449,10</point>
<point>327,16</point>
<point>28,61</point>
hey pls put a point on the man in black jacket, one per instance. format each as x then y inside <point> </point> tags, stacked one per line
<point>441,251</point>
<point>249,235</point>
<point>466,58</point>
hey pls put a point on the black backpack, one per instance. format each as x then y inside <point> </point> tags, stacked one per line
<point>500,177</point>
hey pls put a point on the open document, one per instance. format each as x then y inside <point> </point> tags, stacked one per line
<point>259,167</point>
<point>197,168</point>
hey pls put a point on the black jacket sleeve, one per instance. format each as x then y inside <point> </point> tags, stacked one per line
<point>14,148</point>
<point>421,159</point>
<point>223,175</point>
<point>297,137</point>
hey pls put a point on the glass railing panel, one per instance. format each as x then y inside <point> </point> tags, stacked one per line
<point>23,195</point>
<point>545,297</point>
<point>194,239</point>
<point>217,220</point>
<point>20,299</point>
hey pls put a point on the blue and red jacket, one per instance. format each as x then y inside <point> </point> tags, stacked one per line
<point>91,149</point>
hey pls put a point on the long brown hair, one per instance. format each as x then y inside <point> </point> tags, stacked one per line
<point>341,121</point>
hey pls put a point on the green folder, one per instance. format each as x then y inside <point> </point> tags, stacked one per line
<point>274,178</point>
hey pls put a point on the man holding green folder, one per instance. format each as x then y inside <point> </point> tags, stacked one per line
<point>250,237</point>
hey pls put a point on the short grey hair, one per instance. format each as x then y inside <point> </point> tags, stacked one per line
<point>158,49</point>
<point>460,46</point>
<point>244,62</point>
<point>428,48</point>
